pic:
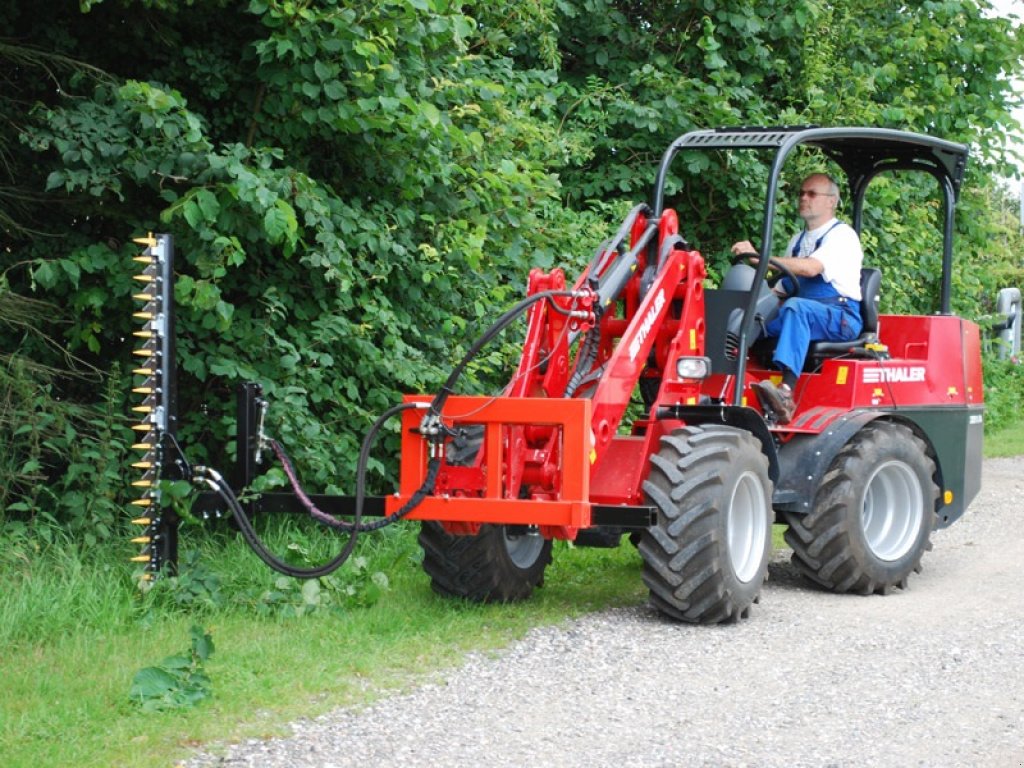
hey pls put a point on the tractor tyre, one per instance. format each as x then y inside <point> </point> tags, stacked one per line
<point>707,556</point>
<point>872,516</point>
<point>497,565</point>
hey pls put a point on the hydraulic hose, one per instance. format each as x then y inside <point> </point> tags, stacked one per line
<point>588,354</point>
<point>499,325</point>
<point>213,479</point>
<point>217,483</point>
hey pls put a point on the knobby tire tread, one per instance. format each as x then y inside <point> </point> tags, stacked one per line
<point>828,545</point>
<point>686,564</point>
<point>478,568</point>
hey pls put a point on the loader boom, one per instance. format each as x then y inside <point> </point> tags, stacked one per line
<point>558,422</point>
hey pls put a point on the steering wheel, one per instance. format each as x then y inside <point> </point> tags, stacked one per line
<point>743,258</point>
<point>786,272</point>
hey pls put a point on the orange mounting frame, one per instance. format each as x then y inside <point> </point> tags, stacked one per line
<point>559,517</point>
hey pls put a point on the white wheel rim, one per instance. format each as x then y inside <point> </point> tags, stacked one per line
<point>747,526</point>
<point>893,510</point>
<point>523,549</point>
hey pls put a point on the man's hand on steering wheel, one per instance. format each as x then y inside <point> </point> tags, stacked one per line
<point>744,252</point>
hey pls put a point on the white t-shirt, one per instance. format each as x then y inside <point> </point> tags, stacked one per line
<point>840,254</point>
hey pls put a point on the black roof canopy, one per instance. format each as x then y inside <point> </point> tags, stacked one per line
<point>861,152</point>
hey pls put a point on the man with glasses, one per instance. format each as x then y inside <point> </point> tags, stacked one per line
<point>826,259</point>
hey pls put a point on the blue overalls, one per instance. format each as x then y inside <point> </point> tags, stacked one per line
<point>819,313</point>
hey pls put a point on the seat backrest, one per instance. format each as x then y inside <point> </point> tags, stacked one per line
<point>870,287</point>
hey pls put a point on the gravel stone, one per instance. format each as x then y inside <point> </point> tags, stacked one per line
<point>928,676</point>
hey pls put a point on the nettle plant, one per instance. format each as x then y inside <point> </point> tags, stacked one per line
<point>178,681</point>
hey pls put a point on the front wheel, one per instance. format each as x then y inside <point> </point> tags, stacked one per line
<point>706,558</point>
<point>500,564</point>
<point>872,516</point>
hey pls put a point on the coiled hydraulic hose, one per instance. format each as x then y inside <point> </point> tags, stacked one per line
<point>215,481</point>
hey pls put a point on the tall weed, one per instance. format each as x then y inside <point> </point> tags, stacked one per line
<point>62,465</point>
<point>52,590</point>
<point>1004,392</point>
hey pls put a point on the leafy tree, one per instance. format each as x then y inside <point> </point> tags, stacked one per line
<point>357,188</point>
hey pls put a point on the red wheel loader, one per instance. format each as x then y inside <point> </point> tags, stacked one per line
<point>883,448</point>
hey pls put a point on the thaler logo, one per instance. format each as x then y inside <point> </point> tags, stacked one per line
<point>894,374</point>
<point>645,326</point>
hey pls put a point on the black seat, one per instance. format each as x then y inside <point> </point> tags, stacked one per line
<point>870,287</point>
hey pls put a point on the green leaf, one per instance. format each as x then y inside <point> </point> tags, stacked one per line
<point>311,592</point>
<point>54,180</point>
<point>45,274</point>
<point>30,466</point>
<point>176,662</point>
<point>206,295</point>
<point>177,489</point>
<point>184,287</point>
<point>202,643</point>
<point>430,112</point>
<point>334,90</point>
<point>323,70</point>
<point>151,682</point>
<point>72,270</point>
<point>193,213</point>
<point>225,312</point>
<point>208,204</point>
<point>280,223</point>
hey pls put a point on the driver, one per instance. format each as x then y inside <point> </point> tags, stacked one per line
<point>825,258</point>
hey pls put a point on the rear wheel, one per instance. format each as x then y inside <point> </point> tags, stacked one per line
<point>499,564</point>
<point>872,516</point>
<point>706,558</point>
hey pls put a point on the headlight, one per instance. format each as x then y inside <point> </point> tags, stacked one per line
<point>693,367</point>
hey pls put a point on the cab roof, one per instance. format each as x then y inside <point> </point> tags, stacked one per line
<point>861,152</point>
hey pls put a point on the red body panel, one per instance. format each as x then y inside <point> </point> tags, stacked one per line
<point>541,448</point>
<point>934,361</point>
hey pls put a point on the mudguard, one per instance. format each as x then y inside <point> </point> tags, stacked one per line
<point>805,459</point>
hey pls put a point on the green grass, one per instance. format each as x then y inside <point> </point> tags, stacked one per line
<point>75,634</point>
<point>1008,441</point>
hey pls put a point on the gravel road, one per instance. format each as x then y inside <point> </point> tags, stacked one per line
<point>930,676</point>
